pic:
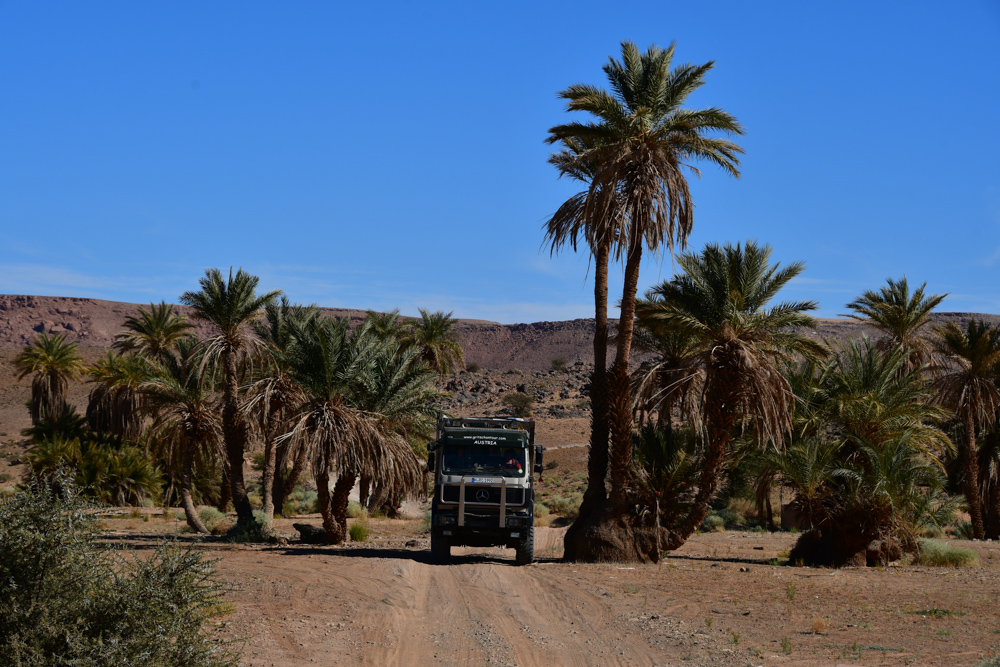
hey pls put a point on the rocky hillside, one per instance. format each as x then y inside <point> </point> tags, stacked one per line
<point>531,347</point>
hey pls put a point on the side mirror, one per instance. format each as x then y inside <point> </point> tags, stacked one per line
<point>430,462</point>
<point>538,459</point>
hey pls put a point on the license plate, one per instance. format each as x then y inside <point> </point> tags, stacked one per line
<point>484,480</point>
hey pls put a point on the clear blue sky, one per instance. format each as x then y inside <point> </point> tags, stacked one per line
<point>391,155</point>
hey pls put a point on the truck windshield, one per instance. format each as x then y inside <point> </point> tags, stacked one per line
<point>506,461</point>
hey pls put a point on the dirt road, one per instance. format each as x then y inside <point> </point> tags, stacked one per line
<point>716,602</point>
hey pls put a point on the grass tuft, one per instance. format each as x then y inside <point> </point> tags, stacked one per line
<point>939,554</point>
<point>358,532</point>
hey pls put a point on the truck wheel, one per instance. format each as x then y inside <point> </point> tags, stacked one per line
<point>440,549</point>
<point>525,550</point>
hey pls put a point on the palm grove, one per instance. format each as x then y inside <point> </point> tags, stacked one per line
<point>174,416</point>
<point>739,396</point>
<point>879,440</point>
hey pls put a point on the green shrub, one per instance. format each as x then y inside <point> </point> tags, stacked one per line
<point>300,501</point>
<point>212,518</point>
<point>939,554</point>
<point>566,506</point>
<point>359,532</point>
<point>255,500</point>
<point>67,600</point>
<point>356,511</point>
<point>559,364</point>
<point>5,477</point>
<point>713,523</point>
<point>7,491</point>
<point>425,525</point>
<point>731,518</point>
<point>963,530</point>
<point>551,465</point>
<point>520,404</point>
<point>472,368</point>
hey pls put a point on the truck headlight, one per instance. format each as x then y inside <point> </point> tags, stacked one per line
<point>446,520</point>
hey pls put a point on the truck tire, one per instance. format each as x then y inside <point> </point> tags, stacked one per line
<point>525,550</point>
<point>440,549</point>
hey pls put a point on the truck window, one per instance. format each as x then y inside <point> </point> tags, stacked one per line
<point>506,461</point>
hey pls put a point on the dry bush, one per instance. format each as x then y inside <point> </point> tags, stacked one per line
<point>939,554</point>
<point>820,626</point>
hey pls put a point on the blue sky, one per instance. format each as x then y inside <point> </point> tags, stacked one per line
<point>391,155</point>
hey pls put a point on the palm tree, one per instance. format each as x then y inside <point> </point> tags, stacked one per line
<point>400,392</point>
<point>53,362</point>
<point>231,306</point>
<point>874,396</point>
<point>331,365</point>
<point>967,385</point>
<point>899,316</point>
<point>433,334</point>
<point>721,302</point>
<point>115,405</point>
<point>187,424</point>
<point>154,333</point>
<point>386,325</point>
<point>640,141</point>
<point>673,373</point>
<point>575,222</point>
<point>273,397</point>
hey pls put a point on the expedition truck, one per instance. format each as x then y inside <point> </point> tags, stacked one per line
<point>483,486</point>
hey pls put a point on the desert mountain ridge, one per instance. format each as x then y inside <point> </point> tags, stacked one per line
<point>93,323</point>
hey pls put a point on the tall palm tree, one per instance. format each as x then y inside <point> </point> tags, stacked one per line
<point>721,302</point>
<point>231,306</point>
<point>577,222</point>
<point>331,364</point>
<point>274,396</point>
<point>901,317</point>
<point>967,385</point>
<point>187,425</point>
<point>53,362</point>
<point>433,334</point>
<point>153,333</point>
<point>641,139</point>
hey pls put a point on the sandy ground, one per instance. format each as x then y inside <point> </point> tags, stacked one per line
<point>716,601</point>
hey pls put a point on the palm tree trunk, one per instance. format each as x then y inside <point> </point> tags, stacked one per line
<point>267,478</point>
<point>721,417</point>
<point>288,486</point>
<point>620,394</point>
<point>338,503</point>
<point>330,524</point>
<point>363,490</point>
<point>278,491</point>
<point>187,502</point>
<point>234,431</point>
<point>597,461</point>
<point>225,490</point>
<point>994,513</point>
<point>970,482</point>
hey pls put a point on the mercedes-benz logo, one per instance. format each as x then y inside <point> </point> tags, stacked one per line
<point>482,495</point>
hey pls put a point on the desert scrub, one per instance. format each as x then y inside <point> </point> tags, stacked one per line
<point>67,600</point>
<point>542,515</point>
<point>939,554</point>
<point>356,511</point>
<point>566,506</point>
<point>300,501</point>
<point>358,532</point>
<point>520,404</point>
<point>212,518</point>
<point>713,523</point>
